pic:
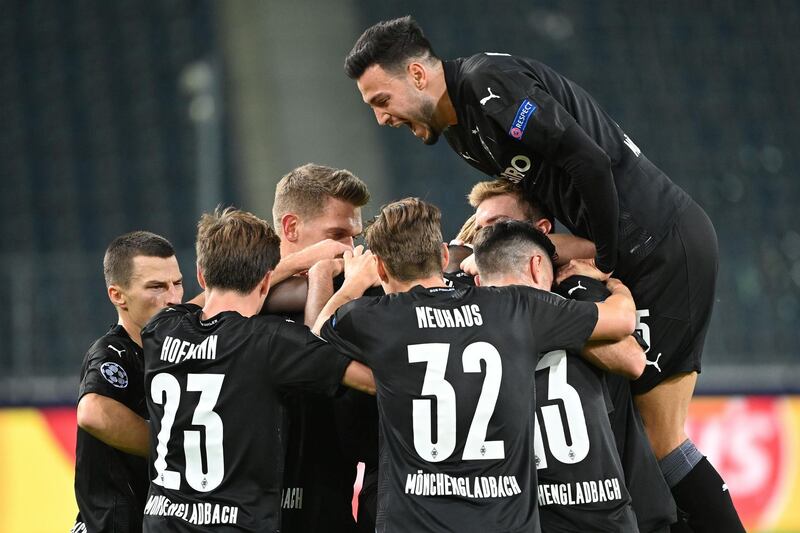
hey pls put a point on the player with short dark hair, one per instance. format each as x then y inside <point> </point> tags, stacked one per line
<point>214,379</point>
<point>142,276</point>
<point>454,370</point>
<point>515,118</point>
<point>574,444</point>
<point>500,200</point>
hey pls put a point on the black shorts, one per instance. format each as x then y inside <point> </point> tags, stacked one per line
<point>674,292</point>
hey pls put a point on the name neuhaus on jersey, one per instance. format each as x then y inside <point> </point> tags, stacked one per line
<point>177,351</point>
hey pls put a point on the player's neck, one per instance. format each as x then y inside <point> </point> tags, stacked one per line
<point>445,109</point>
<point>134,331</point>
<point>219,301</point>
<point>504,281</point>
<point>393,285</point>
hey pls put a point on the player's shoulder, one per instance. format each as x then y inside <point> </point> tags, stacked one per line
<point>365,305</point>
<point>522,295</point>
<point>171,312</point>
<point>499,68</point>
<point>115,344</point>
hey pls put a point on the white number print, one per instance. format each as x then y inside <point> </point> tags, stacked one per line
<point>476,446</point>
<point>643,328</point>
<point>166,390</point>
<point>559,389</point>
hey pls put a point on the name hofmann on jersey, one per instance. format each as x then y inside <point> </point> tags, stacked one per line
<point>177,351</point>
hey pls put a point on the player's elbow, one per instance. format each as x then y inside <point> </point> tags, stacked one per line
<point>90,414</point>
<point>635,362</point>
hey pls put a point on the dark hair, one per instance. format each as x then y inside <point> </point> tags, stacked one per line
<point>390,44</point>
<point>407,236</point>
<point>505,247</point>
<point>235,249</point>
<point>118,260</point>
<point>305,189</point>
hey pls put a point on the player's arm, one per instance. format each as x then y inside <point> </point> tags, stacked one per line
<point>304,259</point>
<point>359,376</point>
<point>616,317</point>
<point>320,287</point>
<point>589,167</point>
<point>569,247</point>
<point>623,357</point>
<point>113,423</point>
<point>552,133</point>
<point>288,296</point>
<point>360,274</point>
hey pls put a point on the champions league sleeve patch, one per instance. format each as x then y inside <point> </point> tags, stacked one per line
<point>114,374</point>
<point>526,109</point>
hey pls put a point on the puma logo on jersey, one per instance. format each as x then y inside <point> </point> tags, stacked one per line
<point>491,95</point>
<point>468,157</point>
<point>576,287</point>
<point>119,352</point>
<point>648,362</point>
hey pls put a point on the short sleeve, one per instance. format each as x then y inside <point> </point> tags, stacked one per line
<point>559,323</point>
<point>340,332</point>
<point>299,360</point>
<point>107,373</point>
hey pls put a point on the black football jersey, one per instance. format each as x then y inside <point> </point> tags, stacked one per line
<point>326,439</point>
<point>214,393</point>
<point>652,500</point>
<point>520,120</point>
<point>454,370</point>
<point>581,480</point>
<point>111,485</point>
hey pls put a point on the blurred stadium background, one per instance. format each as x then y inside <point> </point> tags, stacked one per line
<point>121,115</point>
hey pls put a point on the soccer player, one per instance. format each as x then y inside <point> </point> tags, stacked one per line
<point>581,481</point>
<point>501,200</point>
<point>517,119</point>
<point>214,378</point>
<point>454,370</point>
<point>142,276</point>
<point>317,213</point>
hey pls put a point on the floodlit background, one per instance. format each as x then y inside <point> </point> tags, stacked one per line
<point>120,115</point>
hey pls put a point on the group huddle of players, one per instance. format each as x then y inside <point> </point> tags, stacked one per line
<point>506,382</point>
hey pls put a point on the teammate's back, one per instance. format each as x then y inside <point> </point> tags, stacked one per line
<point>213,381</point>
<point>454,371</point>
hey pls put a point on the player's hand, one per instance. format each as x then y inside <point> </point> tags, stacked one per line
<point>581,267</point>
<point>327,268</point>
<point>468,265</point>
<point>360,269</point>
<point>327,249</point>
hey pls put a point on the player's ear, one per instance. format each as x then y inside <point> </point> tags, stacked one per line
<point>263,288</point>
<point>201,280</point>
<point>117,296</point>
<point>289,225</point>
<point>543,225</point>
<point>445,256</point>
<point>535,268</point>
<point>384,277</point>
<point>419,76</point>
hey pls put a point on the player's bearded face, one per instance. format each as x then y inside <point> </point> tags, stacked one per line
<point>397,102</point>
